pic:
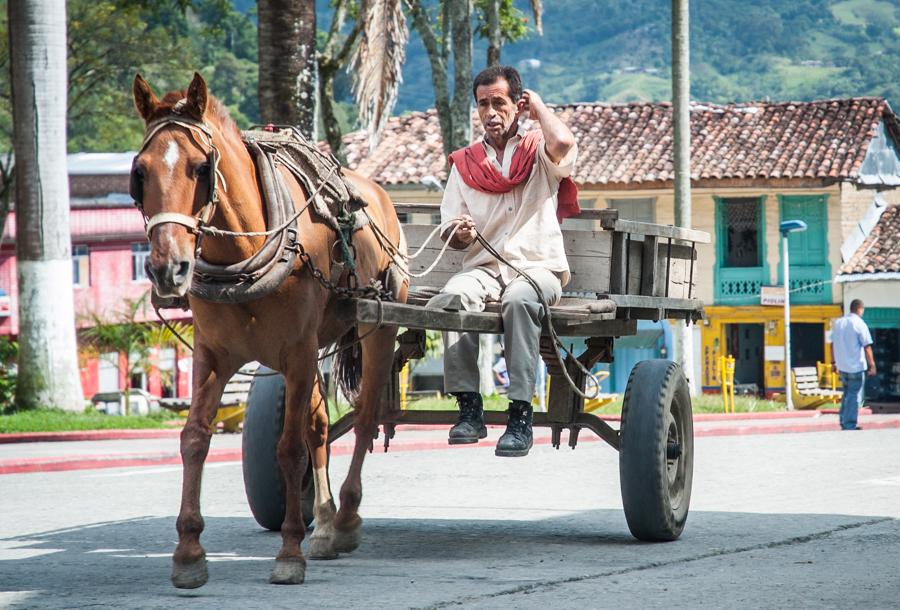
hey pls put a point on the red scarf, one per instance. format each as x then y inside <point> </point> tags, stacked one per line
<point>480,174</point>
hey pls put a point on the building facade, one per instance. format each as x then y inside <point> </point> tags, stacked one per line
<point>109,248</point>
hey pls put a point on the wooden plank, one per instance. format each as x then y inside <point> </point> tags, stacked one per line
<point>625,301</point>
<point>646,228</point>
<point>603,215</point>
<point>412,316</point>
<point>618,268</point>
<point>650,266</point>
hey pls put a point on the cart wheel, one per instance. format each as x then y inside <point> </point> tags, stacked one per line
<point>263,483</point>
<point>656,452</point>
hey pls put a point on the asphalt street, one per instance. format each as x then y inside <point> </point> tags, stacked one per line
<point>777,521</point>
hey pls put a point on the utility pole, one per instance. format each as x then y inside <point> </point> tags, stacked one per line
<point>681,121</point>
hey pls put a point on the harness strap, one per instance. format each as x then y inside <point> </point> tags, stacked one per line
<point>193,223</point>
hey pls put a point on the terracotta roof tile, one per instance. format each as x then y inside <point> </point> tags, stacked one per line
<point>631,143</point>
<point>880,252</point>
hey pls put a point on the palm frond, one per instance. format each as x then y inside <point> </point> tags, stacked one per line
<point>538,11</point>
<point>377,61</point>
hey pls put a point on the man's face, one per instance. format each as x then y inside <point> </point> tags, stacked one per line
<point>496,109</point>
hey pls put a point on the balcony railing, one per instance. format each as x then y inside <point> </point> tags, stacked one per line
<point>739,285</point>
<point>810,285</point>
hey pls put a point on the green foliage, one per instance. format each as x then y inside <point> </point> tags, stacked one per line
<point>165,40</point>
<point>9,351</point>
<point>56,420</point>
<point>619,50</point>
<point>513,22</point>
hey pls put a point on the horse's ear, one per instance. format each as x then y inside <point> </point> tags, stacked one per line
<point>197,97</point>
<point>144,100</point>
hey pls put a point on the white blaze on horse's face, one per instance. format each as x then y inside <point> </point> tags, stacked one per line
<point>169,167</point>
<point>171,157</point>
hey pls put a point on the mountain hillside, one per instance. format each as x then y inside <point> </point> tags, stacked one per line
<point>619,50</point>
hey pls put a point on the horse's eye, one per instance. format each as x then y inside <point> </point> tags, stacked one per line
<point>203,171</point>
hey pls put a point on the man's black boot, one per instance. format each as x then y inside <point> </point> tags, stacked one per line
<point>517,440</point>
<point>470,425</point>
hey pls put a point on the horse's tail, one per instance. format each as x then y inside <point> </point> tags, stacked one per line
<point>347,369</point>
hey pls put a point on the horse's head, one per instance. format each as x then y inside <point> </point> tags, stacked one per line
<point>173,180</point>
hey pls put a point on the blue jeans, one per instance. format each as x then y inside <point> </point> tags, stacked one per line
<point>853,396</point>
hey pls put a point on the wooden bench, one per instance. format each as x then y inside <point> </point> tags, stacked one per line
<point>622,271</point>
<point>233,404</point>
<point>806,393</point>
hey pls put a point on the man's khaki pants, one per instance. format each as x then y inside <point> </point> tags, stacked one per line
<point>522,317</point>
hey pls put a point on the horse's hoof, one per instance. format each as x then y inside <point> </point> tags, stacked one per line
<point>190,575</point>
<point>347,541</point>
<point>321,547</point>
<point>288,572</point>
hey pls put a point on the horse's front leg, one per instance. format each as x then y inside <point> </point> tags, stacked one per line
<point>299,375</point>
<point>321,543</point>
<point>210,376</point>
<point>377,362</point>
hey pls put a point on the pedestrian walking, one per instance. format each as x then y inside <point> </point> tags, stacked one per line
<point>851,344</point>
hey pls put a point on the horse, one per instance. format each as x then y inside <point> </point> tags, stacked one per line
<point>195,171</point>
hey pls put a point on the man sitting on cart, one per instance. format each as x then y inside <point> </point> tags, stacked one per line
<point>512,188</point>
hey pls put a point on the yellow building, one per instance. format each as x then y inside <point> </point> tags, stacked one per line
<point>827,163</point>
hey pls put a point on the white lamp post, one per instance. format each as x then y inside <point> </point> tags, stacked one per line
<point>786,227</point>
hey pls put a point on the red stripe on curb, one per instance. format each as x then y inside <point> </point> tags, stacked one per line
<point>87,435</point>
<point>64,463</point>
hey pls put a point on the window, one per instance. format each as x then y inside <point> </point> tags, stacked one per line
<point>139,254</point>
<point>742,232</point>
<point>81,266</point>
<point>640,209</point>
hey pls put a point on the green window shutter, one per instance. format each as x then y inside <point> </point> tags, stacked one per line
<point>810,270</point>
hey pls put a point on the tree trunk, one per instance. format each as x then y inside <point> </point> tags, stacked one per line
<point>288,70</point>
<point>461,106</point>
<point>48,356</point>
<point>495,40</point>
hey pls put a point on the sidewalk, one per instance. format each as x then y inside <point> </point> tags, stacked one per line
<point>47,452</point>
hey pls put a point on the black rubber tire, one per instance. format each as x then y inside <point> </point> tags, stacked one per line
<point>263,483</point>
<point>656,412</point>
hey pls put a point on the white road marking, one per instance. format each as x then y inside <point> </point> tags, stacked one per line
<point>132,472</point>
<point>892,481</point>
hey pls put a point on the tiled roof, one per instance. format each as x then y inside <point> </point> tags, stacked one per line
<point>631,143</point>
<point>880,252</point>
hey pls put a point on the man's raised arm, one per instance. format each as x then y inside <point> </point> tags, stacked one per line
<point>557,136</point>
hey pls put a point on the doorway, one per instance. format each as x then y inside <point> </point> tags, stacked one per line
<point>745,343</point>
<point>807,344</point>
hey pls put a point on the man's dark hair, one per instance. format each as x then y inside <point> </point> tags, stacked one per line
<point>856,305</point>
<point>491,75</point>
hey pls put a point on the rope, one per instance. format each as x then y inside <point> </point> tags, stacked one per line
<point>225,233</point>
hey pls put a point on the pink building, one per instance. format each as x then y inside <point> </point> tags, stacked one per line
<point>108,252</point>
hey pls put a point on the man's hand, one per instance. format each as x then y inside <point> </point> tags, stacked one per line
<point>557,137</point>
<point>465,233</point>
<point>531,103</point>
<point>871,372</point>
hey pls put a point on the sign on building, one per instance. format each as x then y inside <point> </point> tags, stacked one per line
<point>772,295</point>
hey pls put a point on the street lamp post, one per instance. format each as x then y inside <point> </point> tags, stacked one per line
<point>787,227</point>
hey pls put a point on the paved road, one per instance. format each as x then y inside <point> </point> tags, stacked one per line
<point>791,520</point>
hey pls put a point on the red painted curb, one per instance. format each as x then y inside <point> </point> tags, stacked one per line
<point>87,435</point>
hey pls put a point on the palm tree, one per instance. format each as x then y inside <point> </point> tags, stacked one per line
<point>288,70</point>
<point>48,358</point>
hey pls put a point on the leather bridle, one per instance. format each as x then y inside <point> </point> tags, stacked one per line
<point>194,224</point>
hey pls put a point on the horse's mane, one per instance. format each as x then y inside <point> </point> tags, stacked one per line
<point>214,108</point>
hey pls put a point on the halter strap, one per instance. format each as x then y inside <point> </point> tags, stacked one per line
<point>195,128</point>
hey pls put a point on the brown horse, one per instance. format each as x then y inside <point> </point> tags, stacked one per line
<point>193,148</point>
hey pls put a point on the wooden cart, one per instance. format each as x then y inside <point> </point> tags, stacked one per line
<point>622,272</point>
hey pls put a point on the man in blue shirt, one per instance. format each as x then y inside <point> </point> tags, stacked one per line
<point>851,343</point>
